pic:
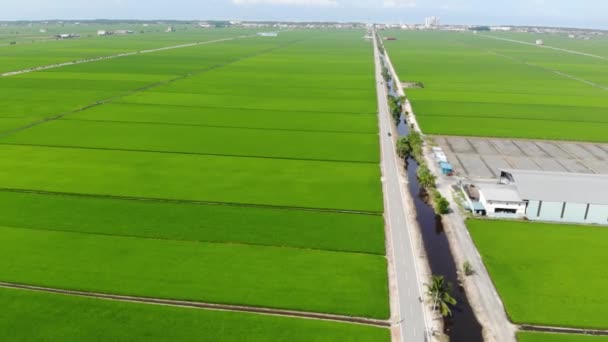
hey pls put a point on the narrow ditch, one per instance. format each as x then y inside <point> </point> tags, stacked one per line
<point>463,325</point>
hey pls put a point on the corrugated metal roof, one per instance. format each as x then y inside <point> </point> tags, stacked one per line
<point>561,186</point>
<point>499,192</point>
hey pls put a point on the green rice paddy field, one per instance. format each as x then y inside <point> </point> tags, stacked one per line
<point>547,274</point>
<point>595,45</point>
<point>239,172</point>
<point>65,318</point>
<point>33,48</point>
<point>479,86</point>
<point>542,337</point>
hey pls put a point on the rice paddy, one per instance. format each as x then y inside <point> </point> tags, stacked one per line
<point>544,337</point>
<point>67,318</point>
<point>479,86</point>
<point>239,172</point>
<point>546,274</point>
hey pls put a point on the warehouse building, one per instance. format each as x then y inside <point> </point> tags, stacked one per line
<point>560,197</point>
<point>501,200</point>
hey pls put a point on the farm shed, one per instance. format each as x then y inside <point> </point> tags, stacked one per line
<point>561,197</point>
<point>446,168</point>
<point>501,201</point>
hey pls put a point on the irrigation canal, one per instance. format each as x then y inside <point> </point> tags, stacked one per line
<point>463,325</point>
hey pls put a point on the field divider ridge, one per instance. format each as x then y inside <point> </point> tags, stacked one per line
<point>547,69</point>
<point>144,88</point>
<point>193,153</point>
<point>299,110</point>
<point>124,54</point>
<point>543,46</point>
<point>562,330</point>
<point>219,126</point>
<point>216,242</point>
<point>194,202</point>
<point>204,305</point>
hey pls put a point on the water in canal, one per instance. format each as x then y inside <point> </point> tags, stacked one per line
<point>463,325</point>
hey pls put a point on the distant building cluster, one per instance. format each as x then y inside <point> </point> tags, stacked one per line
<point>117,32</point>
<point>431,22</point>
<point>67,36</point>
<point>434,23</point>
<point>268,34</point>
<point>500,28</point>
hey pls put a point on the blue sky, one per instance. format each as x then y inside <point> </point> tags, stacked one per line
<point>580,13</point>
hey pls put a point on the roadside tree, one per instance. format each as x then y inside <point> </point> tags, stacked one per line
<point>440,293</point>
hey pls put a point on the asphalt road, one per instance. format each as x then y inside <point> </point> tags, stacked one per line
<point>483,296</point>
<point>410,315</point>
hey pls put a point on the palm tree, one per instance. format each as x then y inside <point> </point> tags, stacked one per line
<point>439,291</point>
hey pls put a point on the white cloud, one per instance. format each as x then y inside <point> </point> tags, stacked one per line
<point>399,3</point>
<point>319,3</point>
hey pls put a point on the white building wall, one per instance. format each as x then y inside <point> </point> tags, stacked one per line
<point>492,205</point>
<point>532,209</point>
<point>598,214</point>
<point>573,212</point>
<point>550,211</point>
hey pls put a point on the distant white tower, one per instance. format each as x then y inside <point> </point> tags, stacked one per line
<point>431,21</point>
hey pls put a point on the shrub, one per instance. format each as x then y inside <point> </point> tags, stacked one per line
<point>443,206</point>
<point>468,269</point>
<point>403,147</point>
<point>416,142</point>
<point>426,178</point>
